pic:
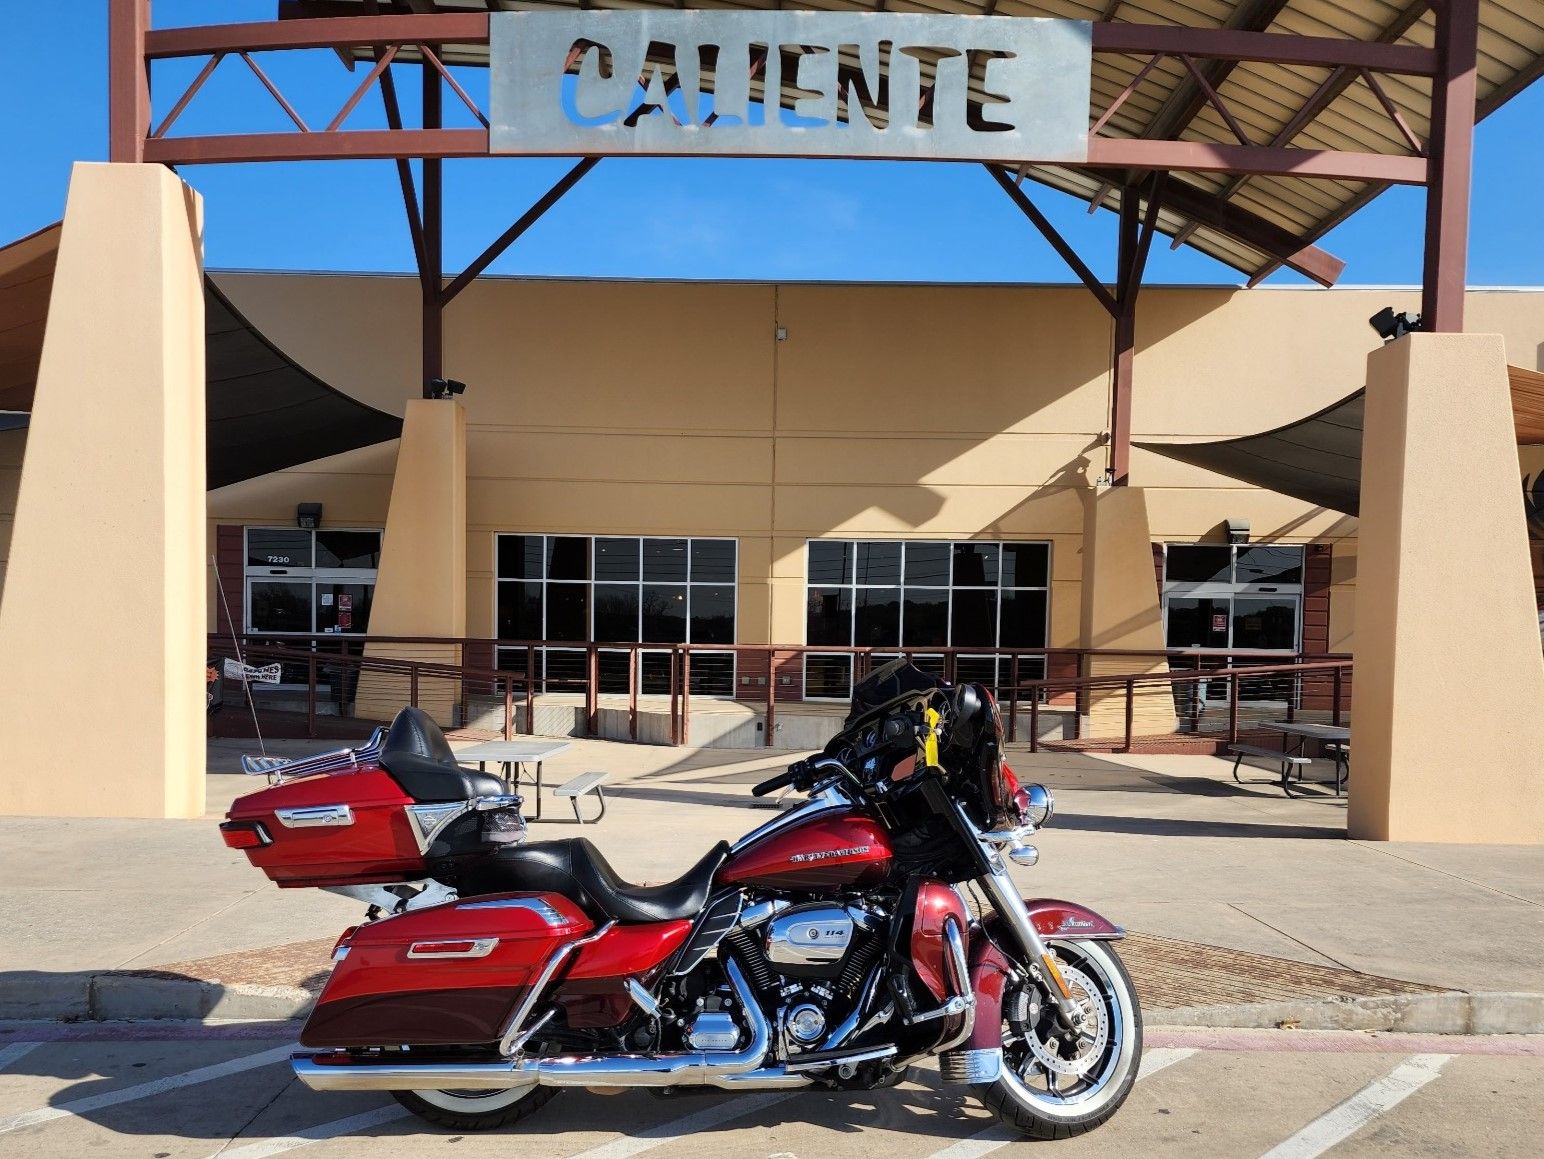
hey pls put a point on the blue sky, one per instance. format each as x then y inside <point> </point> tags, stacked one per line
<point>642,217</point>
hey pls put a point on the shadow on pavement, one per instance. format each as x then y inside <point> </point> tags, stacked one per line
<point>1187,827</point>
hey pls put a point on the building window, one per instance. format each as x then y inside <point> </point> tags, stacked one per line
<point>924,594</point>
<point>1242,597</point>
<point>612,589</point>
<point>302,581</point>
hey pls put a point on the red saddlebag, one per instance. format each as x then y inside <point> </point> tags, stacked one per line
<point>447,975</point>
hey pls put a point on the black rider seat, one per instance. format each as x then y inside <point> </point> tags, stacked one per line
<point>578,871</point>
<point>420,759</point>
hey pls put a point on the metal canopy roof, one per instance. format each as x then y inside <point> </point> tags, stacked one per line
<point>263,412</point>
<point>1318,459</point>
<point>1340,108</point>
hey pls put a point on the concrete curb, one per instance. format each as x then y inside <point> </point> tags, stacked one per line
<point>135,996</point>
<point>1456,1012</point>
<point>138,996</point>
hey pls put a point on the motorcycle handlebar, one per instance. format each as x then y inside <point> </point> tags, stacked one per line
<point>782,780</point>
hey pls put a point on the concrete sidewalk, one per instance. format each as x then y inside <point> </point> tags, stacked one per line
<point>1167,846</point>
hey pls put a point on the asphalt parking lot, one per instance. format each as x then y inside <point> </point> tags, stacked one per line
<point>167,1092</point>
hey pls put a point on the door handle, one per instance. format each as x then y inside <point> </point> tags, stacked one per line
<point>308,816</point>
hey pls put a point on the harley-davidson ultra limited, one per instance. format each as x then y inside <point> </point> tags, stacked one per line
<point>829,948</point>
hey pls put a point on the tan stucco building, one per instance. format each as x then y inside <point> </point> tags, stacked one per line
<point>776,414</point>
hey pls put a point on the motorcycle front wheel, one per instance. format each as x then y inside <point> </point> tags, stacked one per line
<point>475,1110</point>
<point>1055,1083</point>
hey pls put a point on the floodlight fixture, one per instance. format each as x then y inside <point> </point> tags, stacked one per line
<point>446,388</point>
<point>308,515</point>
<point>1390,325</point>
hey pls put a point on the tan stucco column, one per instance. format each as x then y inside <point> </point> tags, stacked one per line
<point>1121,610</point>
<point>1448,710</point>
<point>104,604</point>
<point>420,588</point>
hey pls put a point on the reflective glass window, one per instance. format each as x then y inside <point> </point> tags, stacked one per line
<point>712,615</point>
<point>1198,564</point>
<point>665,560</point>
<point>713,561</point>
<point>975,565</point>
<point>828,616</point>
<point>277,606</point>
<point>1270,564</point>
<point>348,549</point>
<point>830,562</point>
<point>878,563</point>
<point>664,613</point>
<point>616,559</point>
<point>278,547</point>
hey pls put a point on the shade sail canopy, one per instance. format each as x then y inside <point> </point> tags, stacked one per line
<point>264,411</point>
<point>1252,223</point>
<point>1318,459</point>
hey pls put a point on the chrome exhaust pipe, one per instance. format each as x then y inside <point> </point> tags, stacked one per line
<point>320,1074</point>
<point>732,1070</point>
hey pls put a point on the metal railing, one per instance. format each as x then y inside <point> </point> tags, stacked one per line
<point>1220,702</point>
<point>321,676</point>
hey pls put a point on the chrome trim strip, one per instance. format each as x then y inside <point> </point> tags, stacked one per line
<point>476,948</point>
<point>962,1067</point>
<point>310,816</point>
<point>828,801</point>
<point>548,913</point>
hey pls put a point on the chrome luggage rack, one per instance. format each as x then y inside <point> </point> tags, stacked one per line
<point>277,769</point>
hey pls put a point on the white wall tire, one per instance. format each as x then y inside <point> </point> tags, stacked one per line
<point>468,1110</point>
<point>1033,1098</point>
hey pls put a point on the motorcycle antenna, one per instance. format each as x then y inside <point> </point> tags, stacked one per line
<point>230,623</point>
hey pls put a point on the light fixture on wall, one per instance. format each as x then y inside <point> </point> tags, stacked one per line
<point>1390,325</point>
<point>308,515</point>
<point>446,387</point>
<point>1238,531</point>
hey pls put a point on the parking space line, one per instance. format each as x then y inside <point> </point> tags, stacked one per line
<point>9,1054</point>
<point>713,1116</point>
<point>203,1074</point>
<point>1340,1123</point>
<point>998,1136</point>
<point>354,1123</point>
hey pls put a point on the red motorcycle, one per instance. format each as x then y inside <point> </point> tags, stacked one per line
<point>829,948</point>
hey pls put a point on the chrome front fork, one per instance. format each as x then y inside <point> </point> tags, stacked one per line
<point>1010,907</point>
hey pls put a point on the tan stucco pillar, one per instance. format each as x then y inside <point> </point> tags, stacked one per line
<point>420,588</point>
<point>1121,610</point>
<point>104,604</point>
<point>1448,710</point>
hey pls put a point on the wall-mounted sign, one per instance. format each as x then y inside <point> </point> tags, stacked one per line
<point>1220,622</point>
<point>881,84</point>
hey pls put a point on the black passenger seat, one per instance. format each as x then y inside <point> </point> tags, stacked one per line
<point>420,759</point>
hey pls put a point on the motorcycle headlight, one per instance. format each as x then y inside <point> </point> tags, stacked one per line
<point>1037,805</point>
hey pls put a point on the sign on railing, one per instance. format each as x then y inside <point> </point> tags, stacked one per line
<point>236,670</point>
<point>904,86</point>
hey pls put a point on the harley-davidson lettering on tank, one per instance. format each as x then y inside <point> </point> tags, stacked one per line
<point>831,852</point>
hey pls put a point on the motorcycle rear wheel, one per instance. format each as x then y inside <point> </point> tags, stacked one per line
<point>475,1110</point>
<point>1050,1088</point>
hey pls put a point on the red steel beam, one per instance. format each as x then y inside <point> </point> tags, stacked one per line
<point>363,144</point>
<point>1206,157</point>
<point>1210,210</point>
<point>436,28</point>
<point>1050,233</point>
<point>128,80</point>
<point>1266,47</point>
<point>1452,154</point>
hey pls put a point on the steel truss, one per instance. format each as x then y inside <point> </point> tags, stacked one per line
<point>1137,170</point>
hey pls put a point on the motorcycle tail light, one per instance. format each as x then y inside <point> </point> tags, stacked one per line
<point>244,835</point>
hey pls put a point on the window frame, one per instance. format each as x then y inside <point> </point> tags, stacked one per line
<point>853,586</point>
<point>1232,590</point>
<point>640,645</point>
<point>310,576</point>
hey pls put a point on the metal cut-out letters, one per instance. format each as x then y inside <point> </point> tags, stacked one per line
<point>695,82</point>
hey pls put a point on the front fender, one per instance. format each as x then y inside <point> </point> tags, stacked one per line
<point>990,968</point>
<point>1068,919</point>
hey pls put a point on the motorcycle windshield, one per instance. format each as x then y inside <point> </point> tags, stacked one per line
<point>893,681</point>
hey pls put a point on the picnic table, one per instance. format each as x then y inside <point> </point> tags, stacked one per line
<point>1336,737</point>
<point>513,757</point>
